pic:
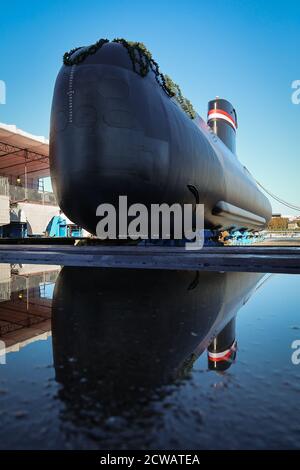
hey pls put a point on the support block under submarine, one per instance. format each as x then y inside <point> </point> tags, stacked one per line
<point>116,129</point>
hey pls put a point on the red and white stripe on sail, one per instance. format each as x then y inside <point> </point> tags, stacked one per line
<point>220,114</point>
<point>222,356</point>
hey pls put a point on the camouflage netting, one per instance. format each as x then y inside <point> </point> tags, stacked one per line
<point>142,62</point>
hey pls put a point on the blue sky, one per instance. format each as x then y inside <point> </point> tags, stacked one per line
<point>244,51</point>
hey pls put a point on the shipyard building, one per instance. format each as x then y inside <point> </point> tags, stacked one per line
<point>27,207</point>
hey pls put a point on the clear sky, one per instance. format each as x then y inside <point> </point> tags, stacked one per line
<point>246,51</point>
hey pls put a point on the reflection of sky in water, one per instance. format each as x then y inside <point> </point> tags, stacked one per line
<point>253,404</point>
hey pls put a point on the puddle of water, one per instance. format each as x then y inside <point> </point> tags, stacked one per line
<point>124,359</point>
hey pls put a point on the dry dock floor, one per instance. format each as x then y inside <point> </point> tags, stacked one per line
<point>256,258</point>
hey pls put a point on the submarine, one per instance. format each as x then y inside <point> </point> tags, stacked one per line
<point>121,127</point>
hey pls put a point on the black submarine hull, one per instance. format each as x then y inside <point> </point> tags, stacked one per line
<point>116,133</point>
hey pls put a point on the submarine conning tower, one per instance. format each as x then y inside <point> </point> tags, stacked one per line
<point>222,119</point>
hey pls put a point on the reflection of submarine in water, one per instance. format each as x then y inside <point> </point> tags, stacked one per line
<point>127,333</point>
<point>115,132</point>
